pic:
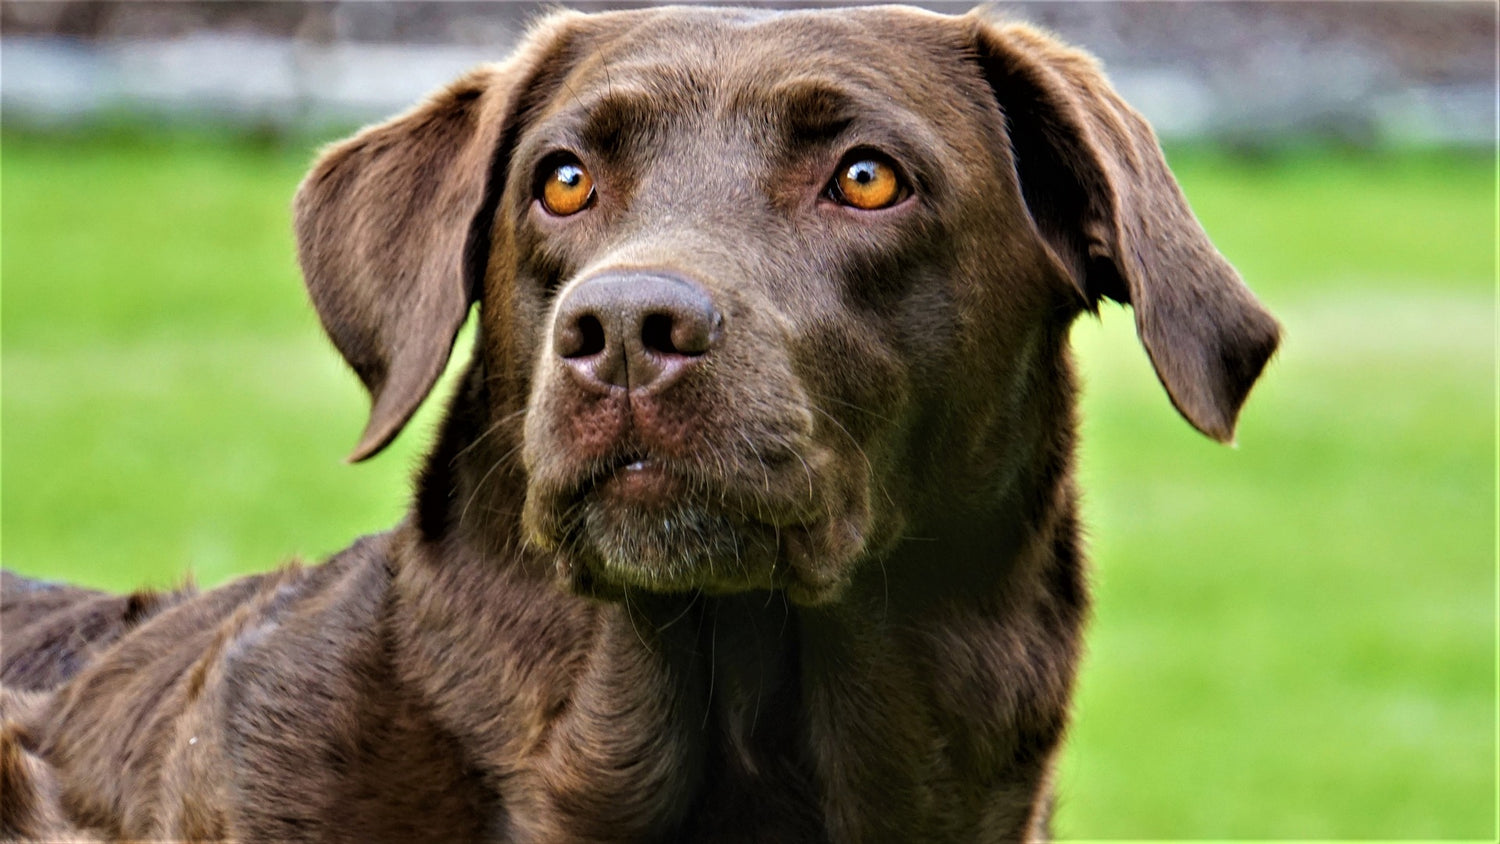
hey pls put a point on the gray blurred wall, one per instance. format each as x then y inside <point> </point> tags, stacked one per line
<point>1404,73</point>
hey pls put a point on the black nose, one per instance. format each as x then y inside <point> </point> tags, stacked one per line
<point>635,329</point>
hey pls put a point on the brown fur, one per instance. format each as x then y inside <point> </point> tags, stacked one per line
<point>849,608</point>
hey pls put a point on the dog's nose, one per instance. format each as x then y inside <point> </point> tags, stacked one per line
<point>635,329</point>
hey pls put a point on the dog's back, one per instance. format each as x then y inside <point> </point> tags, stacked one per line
<point>51,631</point>
<point>151,705</point>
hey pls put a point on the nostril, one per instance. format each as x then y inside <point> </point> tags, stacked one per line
<point>584,338</point>
<point>656,334</point>
<point>685,334</point>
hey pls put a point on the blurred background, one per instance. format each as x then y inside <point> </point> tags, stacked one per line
<point>1294,638</point>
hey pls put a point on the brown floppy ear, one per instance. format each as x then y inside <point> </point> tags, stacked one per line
<point>393,230</point>
<point>1099,191</point>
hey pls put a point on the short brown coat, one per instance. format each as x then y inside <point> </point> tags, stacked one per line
<point>869,628</point>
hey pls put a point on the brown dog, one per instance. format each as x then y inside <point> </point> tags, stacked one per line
<point>752,519</point>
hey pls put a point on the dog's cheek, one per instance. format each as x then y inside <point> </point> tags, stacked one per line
<point>854,377</point>
<point>1007,372</point>
<point>510,333</point>
<point>860,390</point>
<point>545,453</point>
<point>516,314</point>
<point>541,450</point>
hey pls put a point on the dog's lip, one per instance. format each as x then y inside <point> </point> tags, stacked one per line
<point>631,482</point>
<point>625,463</point>
<point>638,479</point>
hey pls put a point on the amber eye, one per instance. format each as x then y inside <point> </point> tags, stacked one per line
<point>567,189</point>
<point>867,182</point>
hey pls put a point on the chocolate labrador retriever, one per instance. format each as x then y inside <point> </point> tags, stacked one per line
<point>753,516</point>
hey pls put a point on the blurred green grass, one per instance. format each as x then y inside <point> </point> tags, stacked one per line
<point>1294,638</point>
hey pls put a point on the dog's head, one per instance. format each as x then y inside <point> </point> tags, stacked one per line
<point>759,292</point>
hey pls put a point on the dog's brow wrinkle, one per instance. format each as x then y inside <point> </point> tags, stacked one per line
<point>813,110</point>
<point>572,94</point>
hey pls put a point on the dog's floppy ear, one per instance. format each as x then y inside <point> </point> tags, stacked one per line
<point>393,231</point>
<point>1099,191</point>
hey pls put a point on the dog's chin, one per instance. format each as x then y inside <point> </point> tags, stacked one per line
<point>671,547</point>
<point>645,529</point>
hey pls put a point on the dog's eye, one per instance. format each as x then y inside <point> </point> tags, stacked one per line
<point>567,188</point>
<point>868,182</point>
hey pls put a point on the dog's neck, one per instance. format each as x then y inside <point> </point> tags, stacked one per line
<point>917,659</point>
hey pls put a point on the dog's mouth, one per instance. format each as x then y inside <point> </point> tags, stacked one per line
<point>635,479</point>
<point>636,520</point>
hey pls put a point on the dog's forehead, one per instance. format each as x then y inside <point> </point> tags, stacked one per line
<point>899,53</point>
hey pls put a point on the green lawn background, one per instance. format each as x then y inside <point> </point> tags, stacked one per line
<point>1292,638</point>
